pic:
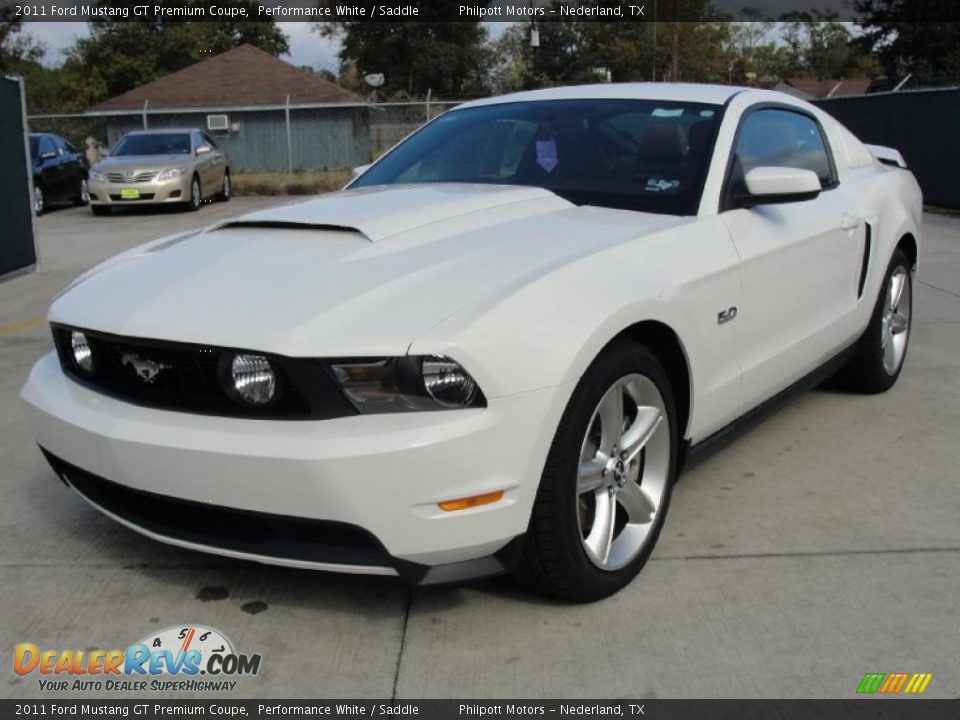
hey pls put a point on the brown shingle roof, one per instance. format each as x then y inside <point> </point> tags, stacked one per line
<point>240,77</point>
<point>831,87</point>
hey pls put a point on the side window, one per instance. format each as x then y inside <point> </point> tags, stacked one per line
<point>197,140</point>
<point>780,138</point>
<point>47,146</point>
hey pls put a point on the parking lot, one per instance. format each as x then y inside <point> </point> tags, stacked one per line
<point>819,546</point>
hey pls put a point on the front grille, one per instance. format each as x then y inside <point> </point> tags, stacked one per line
<point>193,378</point>
<point>256,533</point>
<point>138,178</point>
<point>141,196</point>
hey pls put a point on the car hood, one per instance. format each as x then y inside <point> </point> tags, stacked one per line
<point>142,163</point>
<point>358,272</point>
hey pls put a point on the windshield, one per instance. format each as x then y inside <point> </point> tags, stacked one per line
<point>153,144</point>
<point>631,154</point>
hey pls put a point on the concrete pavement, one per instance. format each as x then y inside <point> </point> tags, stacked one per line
<point>819,546</point>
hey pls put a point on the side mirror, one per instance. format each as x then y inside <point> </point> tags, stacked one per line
<point>203,149</point>
<point>774,185</point>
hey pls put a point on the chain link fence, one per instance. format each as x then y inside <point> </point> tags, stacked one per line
<point>284,138</point>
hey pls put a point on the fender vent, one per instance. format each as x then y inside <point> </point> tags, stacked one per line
<point>865,260</point>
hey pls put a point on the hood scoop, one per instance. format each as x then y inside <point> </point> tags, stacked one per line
<point>387,210</point>
<point>287,225</point>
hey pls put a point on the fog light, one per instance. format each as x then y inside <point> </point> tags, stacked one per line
<point>469,502</point>
<point>253,379</point>
<point>82,354</point>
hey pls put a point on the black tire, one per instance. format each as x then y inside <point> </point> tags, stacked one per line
<point>100,210</point>
<point>39,199</point>
<point>226,190</point>
<point>865,372</point>
<point>196,195</point>
<point>554,560</point>
<point>82,197</point>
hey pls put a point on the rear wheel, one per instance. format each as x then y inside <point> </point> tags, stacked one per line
<point>39,199</point>
<point>607,482</point>
<point>882,348</point>
<point>83,195</point>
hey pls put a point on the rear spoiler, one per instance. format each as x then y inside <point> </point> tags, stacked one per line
<point>888,156</point>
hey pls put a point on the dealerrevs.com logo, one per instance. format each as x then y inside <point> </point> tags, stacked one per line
<point>895,683</point>
<point>185,658</point>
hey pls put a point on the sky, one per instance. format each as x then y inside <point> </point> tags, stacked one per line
<point>306,47</point>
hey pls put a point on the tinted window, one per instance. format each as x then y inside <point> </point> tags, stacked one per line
<point>46,145</point>
<point>34,146</point>
<point>632,154</point>
<point>154,144</point>
<point>780,138</point>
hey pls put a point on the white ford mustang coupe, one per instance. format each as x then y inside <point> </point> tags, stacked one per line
<point>494,349</point>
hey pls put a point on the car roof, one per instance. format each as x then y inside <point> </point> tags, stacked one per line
<point>163,131</point>
<point>669,92</point>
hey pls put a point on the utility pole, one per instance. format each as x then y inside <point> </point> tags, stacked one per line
<point>675,53</point>
<point>654,78</point>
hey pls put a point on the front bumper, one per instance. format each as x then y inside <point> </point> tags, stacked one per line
<point>381,476</point>
<point>175,190</point>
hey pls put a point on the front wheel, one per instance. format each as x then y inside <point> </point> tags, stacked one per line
<point>195,197</point>
<point>225,189</point>
<point>882,348</point>
<point>607,482</point>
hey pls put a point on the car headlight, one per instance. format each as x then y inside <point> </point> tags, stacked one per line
<point>81,353</point>
<point>254,381</point>
<point>416,382</point>
<point>171,173</point>
<point>98,176</point>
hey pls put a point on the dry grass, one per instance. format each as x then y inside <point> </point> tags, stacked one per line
<point>308,182</point>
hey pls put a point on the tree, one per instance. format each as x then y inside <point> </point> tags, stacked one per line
<point>921,37</point>
<point>449,58</point>
<point>128,54</point>
<point>17,48</point>
<point>562,56</point>
<point>819,46</point>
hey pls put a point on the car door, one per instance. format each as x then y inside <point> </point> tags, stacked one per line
<point>219,164</point>
<point>51,174</point>
<point>71,166</point>
<point>797,258</point>
<point>205,164</point>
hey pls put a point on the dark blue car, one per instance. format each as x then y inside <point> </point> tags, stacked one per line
<point>59,171</point>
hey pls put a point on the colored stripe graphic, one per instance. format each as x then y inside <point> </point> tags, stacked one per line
<point>918,683</point>
<point>871,682</point>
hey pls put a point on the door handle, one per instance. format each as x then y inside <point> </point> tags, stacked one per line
<point>850,222</point>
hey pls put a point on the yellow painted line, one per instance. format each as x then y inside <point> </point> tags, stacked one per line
<point>16,327</point>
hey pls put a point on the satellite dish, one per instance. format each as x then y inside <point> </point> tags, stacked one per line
<point>374,80</point>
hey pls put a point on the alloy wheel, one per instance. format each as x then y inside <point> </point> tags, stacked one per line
<point>623,472</point>
<point>895,322</point>
<point>38,200</point>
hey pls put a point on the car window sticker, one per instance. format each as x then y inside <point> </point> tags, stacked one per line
<point>547,154</point>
